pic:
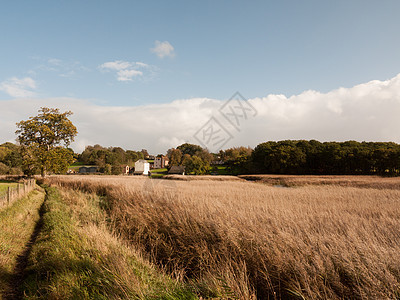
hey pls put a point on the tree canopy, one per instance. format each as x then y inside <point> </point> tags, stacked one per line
<point>313,157</point>
<point>44,140</point>
<point>190,149</point>
<point>10,159</point>
<point>195,159</point>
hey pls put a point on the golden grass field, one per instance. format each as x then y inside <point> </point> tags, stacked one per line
<point>361,181</point>
<point>323,238</point>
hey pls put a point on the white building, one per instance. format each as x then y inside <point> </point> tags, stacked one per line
<point>142,167</point>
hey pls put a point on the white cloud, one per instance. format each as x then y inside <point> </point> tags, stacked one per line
<point>126,71</point>
<point>140,64</point>
<point>19,87</point>
<point>116,65</point>
<point>163,49</point>
<point>367,112</point>
<point>127,75</point>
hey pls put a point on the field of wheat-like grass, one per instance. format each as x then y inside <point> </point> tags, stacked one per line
<point>361,181</point>
<point>253,240</point>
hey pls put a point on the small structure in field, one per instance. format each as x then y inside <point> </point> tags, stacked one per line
<point>178,170</point>
<point>161,162</point>
<point>142,167</point>
<point>83,170</point>
<point>125,169</point>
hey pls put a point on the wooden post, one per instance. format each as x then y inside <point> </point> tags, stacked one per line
<point>8,195</point>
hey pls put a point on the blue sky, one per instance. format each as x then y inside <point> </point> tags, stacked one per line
<point>149,74</point>
<point>219,47</point>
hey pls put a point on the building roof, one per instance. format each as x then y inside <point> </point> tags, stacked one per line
<point>141,161</point>
<point>177,170</point>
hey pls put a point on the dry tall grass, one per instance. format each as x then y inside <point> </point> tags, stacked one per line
<point>254,240</point>
<point>75,256</point>
<point>375,182</point>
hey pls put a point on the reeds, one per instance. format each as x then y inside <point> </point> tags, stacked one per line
<point>247,240</point>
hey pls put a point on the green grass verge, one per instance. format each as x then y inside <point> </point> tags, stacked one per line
<point>16,226</point>
<point>157,175</point>
<point>76,257</point>
<point>163,170</point>
<point>77,163</point>
<point>220,170</point>
<point>5,184</point>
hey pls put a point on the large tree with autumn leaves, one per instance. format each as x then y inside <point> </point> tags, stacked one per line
<point>44,140</point>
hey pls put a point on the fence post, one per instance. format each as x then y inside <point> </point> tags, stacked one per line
<point>8,195</point>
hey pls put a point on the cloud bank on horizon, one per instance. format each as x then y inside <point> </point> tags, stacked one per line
<point>365,112</point>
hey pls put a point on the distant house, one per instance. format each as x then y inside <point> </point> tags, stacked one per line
<point>83,170</point>
<point>160,162</point>
<point>142,167</point>
<point>125,169</point>
<point>178,170</point>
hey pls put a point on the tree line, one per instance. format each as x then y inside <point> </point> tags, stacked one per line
<point>43,142</point>
<point>283,157</point>
<point>328,158</point>
<point>295,157</point>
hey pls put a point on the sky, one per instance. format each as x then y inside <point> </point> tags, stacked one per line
<point>155,74</point>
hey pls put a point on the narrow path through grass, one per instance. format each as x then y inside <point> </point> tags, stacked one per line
<point>17,224</point>
<point>75,256</point>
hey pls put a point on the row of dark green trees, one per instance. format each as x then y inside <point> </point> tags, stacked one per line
<point>313,157</point>
<point>298,158</point>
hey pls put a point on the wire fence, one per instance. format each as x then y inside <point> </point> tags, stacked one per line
<point>16,192</point>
